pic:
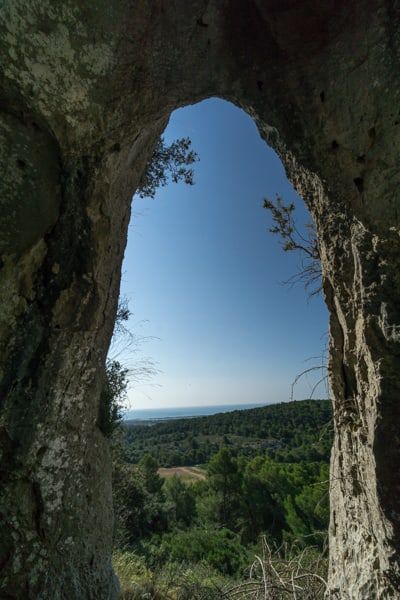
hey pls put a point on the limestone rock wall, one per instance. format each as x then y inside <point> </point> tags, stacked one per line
<point>86,88</point>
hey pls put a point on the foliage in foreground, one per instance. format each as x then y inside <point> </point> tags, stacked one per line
<point>283,574</point>
<point>168,528</point>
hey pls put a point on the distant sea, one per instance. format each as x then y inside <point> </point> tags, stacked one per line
<point>181,412</point>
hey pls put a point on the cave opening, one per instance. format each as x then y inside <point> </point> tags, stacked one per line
<point>84,96</point>
<point>203,276</point>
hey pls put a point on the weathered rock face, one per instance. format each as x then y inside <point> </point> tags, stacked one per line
<point>86,88</point>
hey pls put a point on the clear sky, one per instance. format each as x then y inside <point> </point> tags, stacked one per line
<point>202,275</point>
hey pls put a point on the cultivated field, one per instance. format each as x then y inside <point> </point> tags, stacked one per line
<point>184,472</point>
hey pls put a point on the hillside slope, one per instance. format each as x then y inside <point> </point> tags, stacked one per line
<point>287,432</point>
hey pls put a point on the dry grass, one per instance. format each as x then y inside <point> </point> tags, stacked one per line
<point>283,575</point>
<point>187,473</point>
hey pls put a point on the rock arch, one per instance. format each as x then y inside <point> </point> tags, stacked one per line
<point>86,88</point>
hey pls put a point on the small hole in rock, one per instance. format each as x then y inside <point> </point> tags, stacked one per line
<point>359,183</point>
<point>21,163</point>
<point>322,96</point>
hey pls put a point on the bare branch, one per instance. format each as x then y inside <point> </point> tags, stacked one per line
<point>292,239</point>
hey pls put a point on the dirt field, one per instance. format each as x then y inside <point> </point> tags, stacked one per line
<point>184,472</point>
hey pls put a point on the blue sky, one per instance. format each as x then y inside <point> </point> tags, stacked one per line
<point>202,275</point>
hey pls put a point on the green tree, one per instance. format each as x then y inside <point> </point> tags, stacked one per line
<point>225,479</point>
<point>168,163</point>
<point>307,508</point>
<point>221,549</point>
<point>180,502</point>
<point>130,500</point>
<point>149,468</point>
<point>138,500</point>
<point>113,396</point>
<point>263,513</point>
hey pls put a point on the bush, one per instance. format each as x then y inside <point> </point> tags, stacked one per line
<point>170,582</point>
<point>131,572</point>
<point>220,549</point>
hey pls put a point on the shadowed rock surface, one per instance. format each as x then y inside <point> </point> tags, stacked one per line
<point>86,89</point>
